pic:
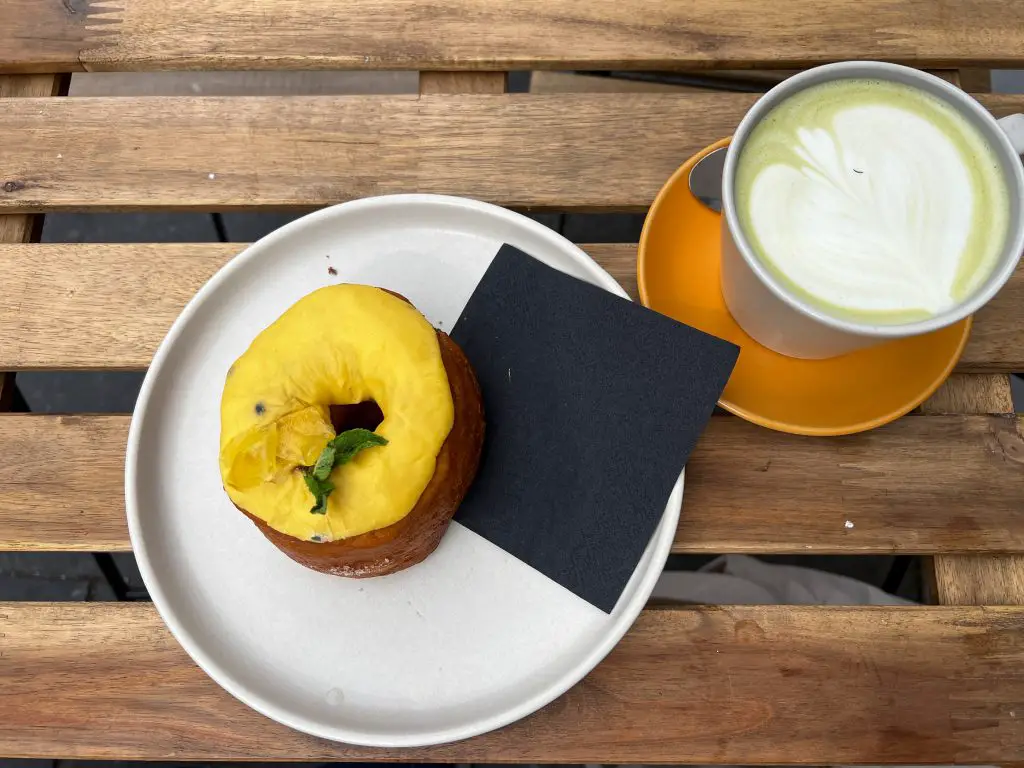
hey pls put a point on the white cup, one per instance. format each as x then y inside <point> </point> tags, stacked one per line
<point>782,321</point>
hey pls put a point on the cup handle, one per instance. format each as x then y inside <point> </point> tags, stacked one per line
<point>1013,127</point>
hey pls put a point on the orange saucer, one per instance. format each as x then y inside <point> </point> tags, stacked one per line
<point>678,275</point>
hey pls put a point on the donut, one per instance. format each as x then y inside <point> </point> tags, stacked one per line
<point>351,361</point>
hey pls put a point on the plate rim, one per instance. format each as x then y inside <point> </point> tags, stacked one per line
<point>659,545</point>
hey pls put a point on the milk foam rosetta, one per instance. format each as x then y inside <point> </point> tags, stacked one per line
<point>873,200</point>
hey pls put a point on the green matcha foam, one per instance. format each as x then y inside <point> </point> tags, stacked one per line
<point>872,200</point>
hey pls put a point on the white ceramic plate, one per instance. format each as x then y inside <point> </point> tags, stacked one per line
<point>468,641</point>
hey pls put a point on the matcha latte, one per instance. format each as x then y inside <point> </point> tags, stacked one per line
<point>872,200</point>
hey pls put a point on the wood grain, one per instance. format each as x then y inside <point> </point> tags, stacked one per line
<point>42,37</point>
<point>108,306</point>
<point>84,510</point>
<point>737,685</point>
<point>977,579</point>
<point>920,485</point>
<point>75,306</point>
<point>71,35</point>
<point>559,152</point>
<point>925,484</point>
<point>572,152</point>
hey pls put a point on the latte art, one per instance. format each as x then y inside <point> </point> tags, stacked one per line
<point>873,200</point>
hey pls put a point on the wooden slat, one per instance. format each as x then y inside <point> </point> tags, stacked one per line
<point>972,393</point>
<point>88,516</point>
<point>977,579</point>
<point>463,82</point>
<point>564,152</point>
<point>108,306</point>
<point>925,484</point>
<point>572,152</point>
<point>920,485</point>
<point>73,35</point>
<point>736,685</point>
<point>980,579</point>
<point>96,287</point>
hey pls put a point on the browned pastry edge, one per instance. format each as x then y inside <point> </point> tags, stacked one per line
<point>416,535</point>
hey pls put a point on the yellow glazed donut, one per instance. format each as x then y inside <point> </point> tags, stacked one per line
<point>344,344</point>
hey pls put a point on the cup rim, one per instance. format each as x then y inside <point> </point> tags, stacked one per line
<point>960,99</point>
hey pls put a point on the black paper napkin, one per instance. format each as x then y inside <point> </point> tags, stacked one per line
<point>593,405</point>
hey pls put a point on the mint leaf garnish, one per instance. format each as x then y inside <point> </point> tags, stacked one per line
<point>320,490</point>
<point>311,482</point>
<point>352,441</point>
<point>338,451</point>
<point>320,508</point>
<point>324,464</point>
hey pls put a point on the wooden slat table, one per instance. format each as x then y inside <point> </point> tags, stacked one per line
<point>734,685</point>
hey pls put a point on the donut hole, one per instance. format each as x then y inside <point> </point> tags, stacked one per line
<point>365,415</point>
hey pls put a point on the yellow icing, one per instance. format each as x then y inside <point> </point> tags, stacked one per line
<point>339,345</point>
